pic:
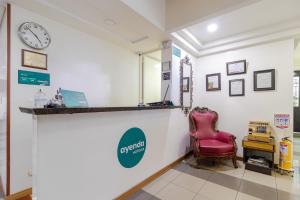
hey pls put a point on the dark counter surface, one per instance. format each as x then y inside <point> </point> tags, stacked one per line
<point>50,111</point>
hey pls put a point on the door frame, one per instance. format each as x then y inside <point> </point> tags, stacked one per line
<point>296,73</point>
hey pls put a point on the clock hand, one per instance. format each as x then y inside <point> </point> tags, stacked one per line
<point>35,35</point>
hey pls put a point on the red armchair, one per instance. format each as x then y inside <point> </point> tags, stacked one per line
<point>206,141</point>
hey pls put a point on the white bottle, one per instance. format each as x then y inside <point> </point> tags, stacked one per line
<point>40,99</point>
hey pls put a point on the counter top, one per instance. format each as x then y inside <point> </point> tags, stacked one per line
<point>50,111</point>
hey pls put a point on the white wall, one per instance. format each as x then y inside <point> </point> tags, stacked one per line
<point>236,112</point>
<point>108,75</point>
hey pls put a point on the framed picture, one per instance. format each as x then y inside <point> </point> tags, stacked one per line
<point>237,87</point>
<point>166,76</point>
<point>236,67</point>
<point>166,66</point>
<point>264,80</point>
<point>186,84</point>
<point>34,59</point>
<point>213,82</point>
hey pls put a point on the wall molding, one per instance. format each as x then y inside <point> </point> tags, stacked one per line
<point>19,195</point>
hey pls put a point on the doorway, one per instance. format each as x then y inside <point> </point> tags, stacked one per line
<point>296,103</point>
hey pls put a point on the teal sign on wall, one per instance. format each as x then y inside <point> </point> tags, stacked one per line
<point>131,147</point>
<point>33,78</point>
<point>176,51</point>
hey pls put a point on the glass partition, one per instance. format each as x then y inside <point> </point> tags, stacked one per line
<point>152,77</point>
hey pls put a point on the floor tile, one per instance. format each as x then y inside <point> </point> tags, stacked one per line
<point>282,195</point>
<point>258,190</point>
<point>243,196</point>
<point>182,166</point>
<point>260,178</point>
<point>230,170</point>
<point>201,197</point>
<point>142,195</point>
<point>200,173</point>
<point>189,182</point>
<point>174,192</point>
<point>216,192</point>
<point>288,184</point>
<point>169,175</point>
<point>225,180</point>
<point>155,186</point>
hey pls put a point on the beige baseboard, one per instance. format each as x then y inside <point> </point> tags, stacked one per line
<point>19,195</point>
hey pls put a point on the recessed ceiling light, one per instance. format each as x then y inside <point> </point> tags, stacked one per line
<point>109,22</point>
<point>212,28</point>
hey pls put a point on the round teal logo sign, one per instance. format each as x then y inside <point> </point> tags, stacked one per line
<point>131,147</point>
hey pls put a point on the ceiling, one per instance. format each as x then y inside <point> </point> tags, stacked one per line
<point>141,25</point>
<point>182,13</point>
<point>259,15</point>
<point>135,22</point>
<point>124,27</point>
<point>256,20</point>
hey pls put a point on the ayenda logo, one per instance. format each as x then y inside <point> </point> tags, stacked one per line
<point>135,148</point>
<point>131,147</point>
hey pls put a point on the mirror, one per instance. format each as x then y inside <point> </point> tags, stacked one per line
<point>186,84</point>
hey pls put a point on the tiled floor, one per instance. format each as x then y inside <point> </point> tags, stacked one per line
<point>220,182</point>
<point>296,148</point>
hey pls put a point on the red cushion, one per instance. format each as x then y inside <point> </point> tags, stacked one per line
<point>214,147</point>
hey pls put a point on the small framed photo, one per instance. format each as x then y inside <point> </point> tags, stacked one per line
<point>166,76</point>
<point>236,67</point>
<point>264,80</point>
<point>237,87</point>
<point>213,82</point>
<point>186,84</point>
<point>166,66</point>
<point>33,59</point>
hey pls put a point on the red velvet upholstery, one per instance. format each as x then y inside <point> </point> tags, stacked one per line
<point>206,141</point>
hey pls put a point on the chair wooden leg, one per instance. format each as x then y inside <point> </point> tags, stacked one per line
<point>234,161</point>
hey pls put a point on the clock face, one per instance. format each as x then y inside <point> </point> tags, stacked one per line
<point>34,35</point>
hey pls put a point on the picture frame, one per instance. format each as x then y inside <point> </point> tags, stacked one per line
<point>166,76</point>
<point>213,82</point>
<point>34,59</point>
<point>264,80</point>
<point>236,87</point>
<point>186,84</point>
<point>166,66</point>
<point>236,67</point>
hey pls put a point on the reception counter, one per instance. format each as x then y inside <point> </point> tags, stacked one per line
<point>76,152</point>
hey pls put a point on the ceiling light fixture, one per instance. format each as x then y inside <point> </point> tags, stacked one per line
<point>186,43</point>
<point>212,28</point>
<point>188,33</point>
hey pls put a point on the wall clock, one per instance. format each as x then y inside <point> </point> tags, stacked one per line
<point>34,35</point>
